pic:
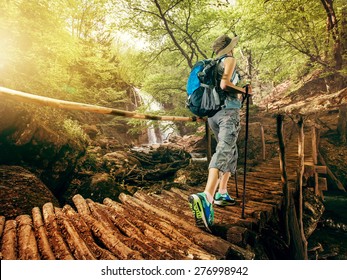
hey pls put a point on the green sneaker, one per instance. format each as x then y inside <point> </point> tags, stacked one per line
<point>202,210</point>
<point>223,199</point>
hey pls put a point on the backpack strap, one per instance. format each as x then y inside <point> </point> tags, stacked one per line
<point>215,72</point>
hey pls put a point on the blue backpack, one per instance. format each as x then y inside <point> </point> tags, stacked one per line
<point>203,98</point>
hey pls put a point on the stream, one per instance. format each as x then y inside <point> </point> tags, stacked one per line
<point>157,132</point>
<point>331,233</point>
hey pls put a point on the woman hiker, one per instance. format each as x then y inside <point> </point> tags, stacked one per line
<point>225,125</point>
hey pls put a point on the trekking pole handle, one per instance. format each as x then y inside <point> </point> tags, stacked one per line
<point>246,87</point>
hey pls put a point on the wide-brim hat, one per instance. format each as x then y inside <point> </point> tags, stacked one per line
<point>224,44</point>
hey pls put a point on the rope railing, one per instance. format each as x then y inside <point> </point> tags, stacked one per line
<point>70,105</point>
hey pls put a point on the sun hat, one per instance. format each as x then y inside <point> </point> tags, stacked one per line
<point>224,44</point>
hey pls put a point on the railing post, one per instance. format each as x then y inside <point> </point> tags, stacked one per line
<point>301,153</point>
<point>284,179</point>
<point>315,159</point>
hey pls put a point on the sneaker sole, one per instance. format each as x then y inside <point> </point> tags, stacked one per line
<point>223,203</point>
<point>198,212</point>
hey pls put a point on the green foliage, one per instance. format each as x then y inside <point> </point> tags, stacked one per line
<point>92,51</point>
<point>73,129</point>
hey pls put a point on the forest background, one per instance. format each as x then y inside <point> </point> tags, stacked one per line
<point>93,51</point>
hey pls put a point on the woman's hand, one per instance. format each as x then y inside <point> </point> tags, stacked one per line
<point>250,92</point>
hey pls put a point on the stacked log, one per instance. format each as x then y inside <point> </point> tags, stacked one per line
<point>140,227</point>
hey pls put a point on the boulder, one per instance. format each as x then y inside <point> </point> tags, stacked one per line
<point>21,191</point>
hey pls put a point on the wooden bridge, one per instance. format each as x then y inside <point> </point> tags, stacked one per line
<point>160,225</point>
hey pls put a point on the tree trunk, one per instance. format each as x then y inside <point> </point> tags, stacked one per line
<point>342,123</point>
<point>332,27</point>
<point>343,30</point>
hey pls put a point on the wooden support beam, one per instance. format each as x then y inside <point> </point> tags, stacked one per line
<point>310,167</point>
<point>331,174</point>
<point>322,184</point>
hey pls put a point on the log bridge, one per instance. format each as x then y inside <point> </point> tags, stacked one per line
<point>158,225</point>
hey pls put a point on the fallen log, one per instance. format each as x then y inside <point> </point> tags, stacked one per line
<point>2,225</point>
<point>81,205</point>
<point>149,249</point>
<point>254,219</point>
<point>41,235</point>
<point>86,234</point>
<point>9,241</point>
<point>213,244</point>
<point>102,217</point>
<point>133,226</point>
<point>112,243</point>
<point>76,244</point>
<point>27,246</point>
<point>60,249</point>
<point>136,244</point>
<point>159,230</point>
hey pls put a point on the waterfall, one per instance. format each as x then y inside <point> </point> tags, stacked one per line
<point>156,134</point>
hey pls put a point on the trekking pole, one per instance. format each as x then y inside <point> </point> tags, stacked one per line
<point>236,186</point>
<point>245,160</point>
